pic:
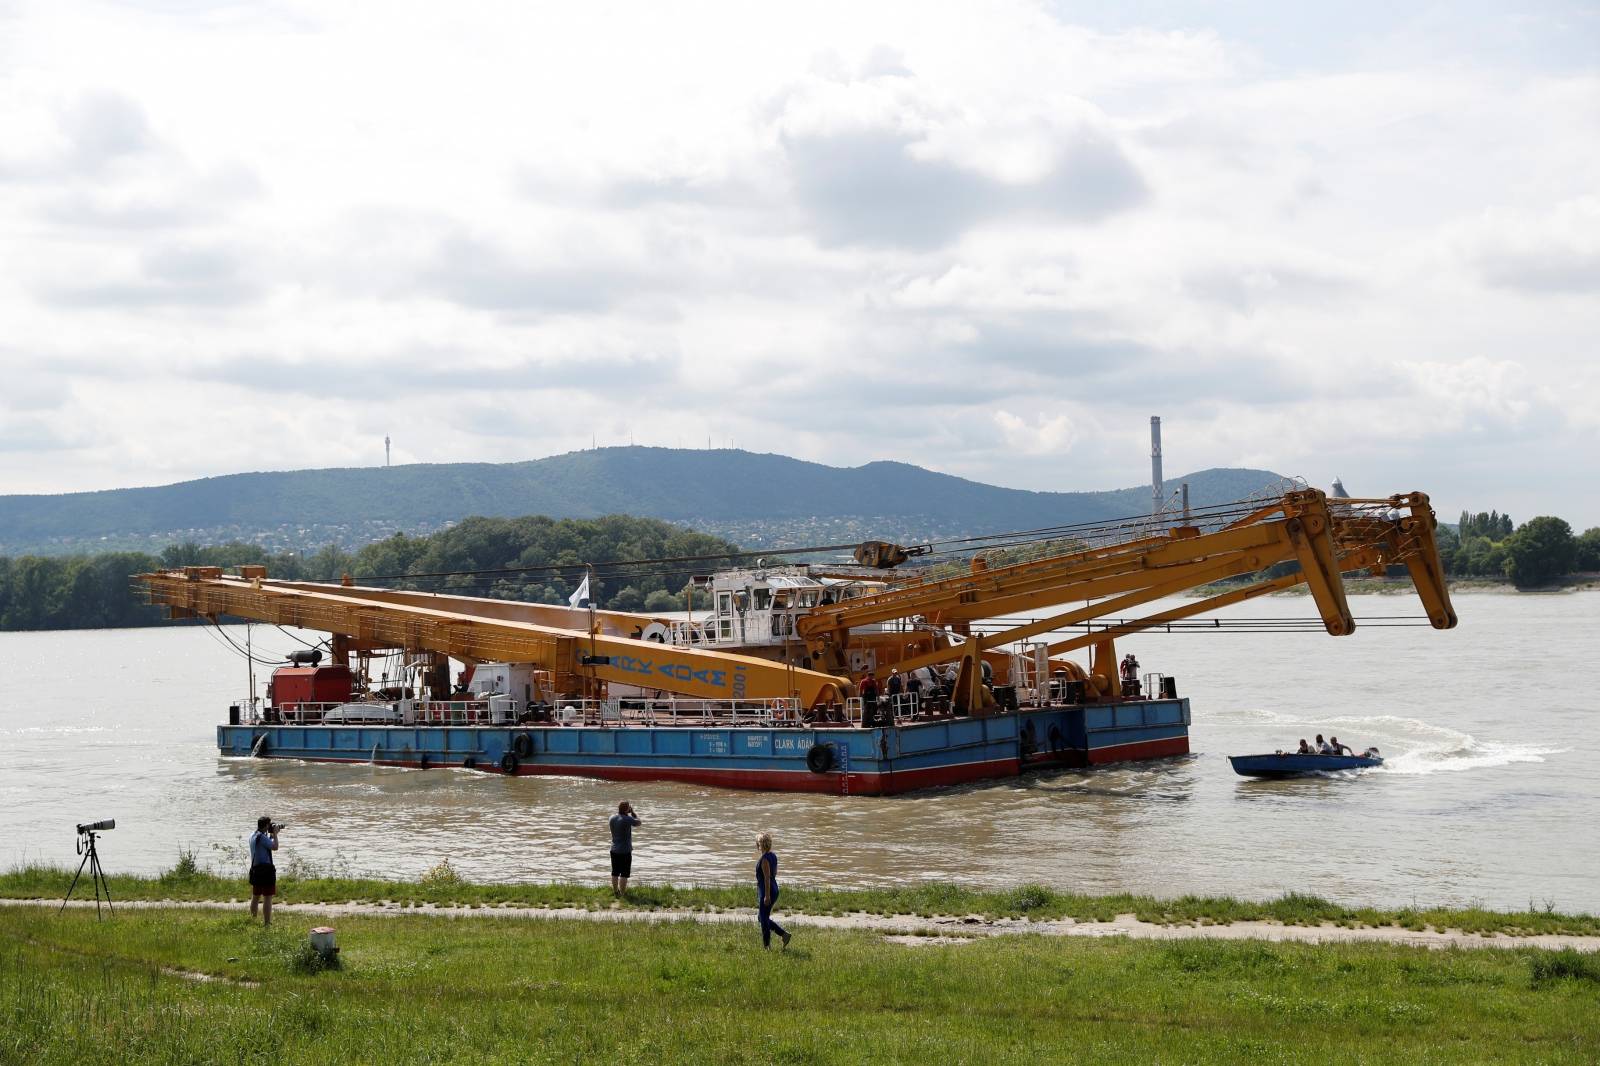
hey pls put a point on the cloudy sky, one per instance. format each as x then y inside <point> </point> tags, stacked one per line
<point>991,239</point>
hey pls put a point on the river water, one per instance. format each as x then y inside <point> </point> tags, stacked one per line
<point>1491,793</point>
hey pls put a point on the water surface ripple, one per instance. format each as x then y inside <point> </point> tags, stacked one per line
<point>1490,793</point>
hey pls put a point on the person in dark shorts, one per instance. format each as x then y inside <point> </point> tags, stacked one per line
<point>263,874</point>
<point>622,826</point>
<point>767,891</point>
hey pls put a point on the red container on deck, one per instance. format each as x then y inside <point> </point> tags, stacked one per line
<point>292,685</point>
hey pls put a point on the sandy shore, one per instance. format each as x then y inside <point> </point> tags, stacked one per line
<point>915,930</point>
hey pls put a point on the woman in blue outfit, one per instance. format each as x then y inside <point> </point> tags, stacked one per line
<point>767,891</point>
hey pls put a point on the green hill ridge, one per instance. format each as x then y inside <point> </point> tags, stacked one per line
<point>758,500</point>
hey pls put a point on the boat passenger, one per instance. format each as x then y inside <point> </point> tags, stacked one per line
<point>897,684</point>
<point>1338,748</point>
<point>1305,749</point>
<point>1323,747</point>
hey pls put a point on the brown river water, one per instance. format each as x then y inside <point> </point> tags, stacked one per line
<point>1491,792</point>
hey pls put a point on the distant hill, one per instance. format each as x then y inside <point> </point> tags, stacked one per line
<point>752,499</point>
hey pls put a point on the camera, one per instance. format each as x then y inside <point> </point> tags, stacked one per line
<point>277,827</point>
<point>97,827</point>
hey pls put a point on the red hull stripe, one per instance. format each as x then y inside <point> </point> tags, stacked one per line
<point>1139,749</point>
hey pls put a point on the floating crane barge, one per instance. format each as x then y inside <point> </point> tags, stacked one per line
<point>763,692</point>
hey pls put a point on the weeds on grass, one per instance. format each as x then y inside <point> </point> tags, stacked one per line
<point>185,870</point>
<point>308,960</point>
<point>441,875</point>
<point>1548,967</point>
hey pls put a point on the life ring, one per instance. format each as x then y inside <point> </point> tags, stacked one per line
<point>819,760</point>
<point>522,744</point>
<point>508,763</point>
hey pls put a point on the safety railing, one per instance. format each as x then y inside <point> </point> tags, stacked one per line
<point>300,713</point>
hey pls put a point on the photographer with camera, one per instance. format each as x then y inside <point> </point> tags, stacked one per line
<point>263,874</point>
<point>622,826</point>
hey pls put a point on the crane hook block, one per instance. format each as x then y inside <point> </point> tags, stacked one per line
<point>882,555</point>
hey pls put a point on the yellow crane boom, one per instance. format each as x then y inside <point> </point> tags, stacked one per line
<point>405,620</point>
<point>1324,538</point>
<point>584,650</point>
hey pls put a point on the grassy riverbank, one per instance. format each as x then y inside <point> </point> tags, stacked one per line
<point>179,985</point>
<point>185,882</point>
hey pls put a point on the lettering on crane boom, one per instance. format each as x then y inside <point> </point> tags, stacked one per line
<point>675,671</point>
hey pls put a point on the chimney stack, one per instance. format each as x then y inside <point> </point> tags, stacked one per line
<point>1156,497</point>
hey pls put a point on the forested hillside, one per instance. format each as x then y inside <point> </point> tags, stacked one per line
<point>91,592</point>
<point>757,500</point>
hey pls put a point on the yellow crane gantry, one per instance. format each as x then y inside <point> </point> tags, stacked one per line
<point>584,650</point>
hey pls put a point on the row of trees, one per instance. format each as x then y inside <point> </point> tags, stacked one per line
<point>540,560</point>
<point>1541,551</point>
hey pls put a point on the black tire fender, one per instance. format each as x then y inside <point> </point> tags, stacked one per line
<point>819,760</point>
<point>522,745</point>
<point>509,763</point>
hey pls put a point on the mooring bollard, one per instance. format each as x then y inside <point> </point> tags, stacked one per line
<point>322,942</point>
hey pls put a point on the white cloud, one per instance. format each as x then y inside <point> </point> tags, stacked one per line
<point>1043,435</point>
<point>992,239</point>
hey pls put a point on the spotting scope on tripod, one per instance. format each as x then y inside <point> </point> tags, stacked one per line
<point>91,859</point>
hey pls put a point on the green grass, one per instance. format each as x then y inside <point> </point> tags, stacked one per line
<point>415,988</point>
<point>186,882</point>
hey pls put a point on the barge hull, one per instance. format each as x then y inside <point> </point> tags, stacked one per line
<point>881,761</point>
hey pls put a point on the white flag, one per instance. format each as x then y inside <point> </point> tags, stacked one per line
<point>577,598</point>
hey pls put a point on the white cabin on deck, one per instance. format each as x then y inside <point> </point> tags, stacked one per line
<point>757,607</point>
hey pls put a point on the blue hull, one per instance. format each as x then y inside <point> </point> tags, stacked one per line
<point>1292,765</point>
<point>881,761</point>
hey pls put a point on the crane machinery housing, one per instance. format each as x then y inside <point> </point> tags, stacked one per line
<point>860,678</point>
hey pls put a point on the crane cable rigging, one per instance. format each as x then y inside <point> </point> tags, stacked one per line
<point>1099,530</point>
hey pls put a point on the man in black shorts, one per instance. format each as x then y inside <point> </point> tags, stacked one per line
<point>263,874</point>
<point>622,824</point>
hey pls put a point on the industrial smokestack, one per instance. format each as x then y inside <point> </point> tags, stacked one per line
<point>1156,495</point>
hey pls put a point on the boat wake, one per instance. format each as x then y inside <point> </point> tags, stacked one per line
<point>1410,746</point>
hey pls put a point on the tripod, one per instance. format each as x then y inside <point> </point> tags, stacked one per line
<point>97,874</point>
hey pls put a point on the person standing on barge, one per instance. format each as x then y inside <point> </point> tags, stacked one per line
<point>767,891</point>
<point>869,700</point>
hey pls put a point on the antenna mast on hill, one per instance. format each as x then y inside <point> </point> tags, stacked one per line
<point>385,449</point>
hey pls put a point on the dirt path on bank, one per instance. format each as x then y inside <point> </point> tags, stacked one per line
<point>914,930</point>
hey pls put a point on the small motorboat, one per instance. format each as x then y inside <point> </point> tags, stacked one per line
<point>1286,764</point>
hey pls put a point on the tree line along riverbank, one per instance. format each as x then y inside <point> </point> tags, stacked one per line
<point>176,984</point>
<point>541,560</point>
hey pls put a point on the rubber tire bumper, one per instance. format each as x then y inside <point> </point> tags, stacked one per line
<point>509,763</point>
<point>522,744</point>
<point>819,760</point>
